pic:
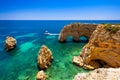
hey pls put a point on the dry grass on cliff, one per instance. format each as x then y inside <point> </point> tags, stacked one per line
<point>112,28</point>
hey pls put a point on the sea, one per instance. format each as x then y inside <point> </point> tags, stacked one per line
<point>21,62</point>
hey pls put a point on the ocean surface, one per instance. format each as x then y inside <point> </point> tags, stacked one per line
<point>21,63</point>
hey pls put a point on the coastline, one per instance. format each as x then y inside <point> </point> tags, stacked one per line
<point>26,55</point>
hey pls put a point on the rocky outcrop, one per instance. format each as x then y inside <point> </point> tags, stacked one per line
<point>41,75</point>
<point>76,30</point>
<point>44,57</point>
<point>103,48</point>
<point>10,43</point>
<point>100,74</point>
<point>77,60</point>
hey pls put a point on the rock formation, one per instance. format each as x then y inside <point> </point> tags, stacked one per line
<point>41,75</point>
<point>44,57</point>
<point>10,43</point>
<point>100,74</point>
<point>103,48</point>
<point>77,60</point>
<point>76,30</point>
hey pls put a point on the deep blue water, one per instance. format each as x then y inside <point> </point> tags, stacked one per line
<point>21,63</point>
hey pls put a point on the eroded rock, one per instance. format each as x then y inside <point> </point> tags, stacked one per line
<point>41,75</point>
<point>88,66</point>
<point>100,74</point>
<point>103,48</point>
<point>10,43</point>
<point>44,57</point>
<point>78,61</point>
<point>76,30</point>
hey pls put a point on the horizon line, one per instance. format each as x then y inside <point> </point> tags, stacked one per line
<point>59,19</point>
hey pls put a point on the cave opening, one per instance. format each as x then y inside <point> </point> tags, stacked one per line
<point>99,64</point>
<point>83,39</point>
<point>69,39</point>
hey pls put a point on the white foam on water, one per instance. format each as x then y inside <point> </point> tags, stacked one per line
<point>49,37</point>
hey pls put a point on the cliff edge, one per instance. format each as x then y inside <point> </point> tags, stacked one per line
<point>103,48</point>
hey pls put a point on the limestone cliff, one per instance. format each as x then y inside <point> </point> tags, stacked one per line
<point>10,43</point>
<point>103,48</point>
<point>76,30</point>
<point>44,57</point>
<point>100,74</point>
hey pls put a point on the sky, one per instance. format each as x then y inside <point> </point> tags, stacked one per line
<point>59,9</point>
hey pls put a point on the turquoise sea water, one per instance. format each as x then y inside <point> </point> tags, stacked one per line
<point>21,63</point>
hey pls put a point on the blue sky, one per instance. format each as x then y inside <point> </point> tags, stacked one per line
<point>59,9</point>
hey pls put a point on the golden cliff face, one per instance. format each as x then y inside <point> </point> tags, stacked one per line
<point>103,48</point>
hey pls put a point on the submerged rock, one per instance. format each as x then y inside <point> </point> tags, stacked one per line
<point>76,30</point>
<point>100,74</point>
<point>10,43</point>
<point>41,75</point>
<point>103,48</point>
<point>44,57</point>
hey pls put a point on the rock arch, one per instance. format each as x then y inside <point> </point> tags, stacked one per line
<point>76,30</point>
<point>85,37</point>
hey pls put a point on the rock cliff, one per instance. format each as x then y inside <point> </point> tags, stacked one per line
<point>44,57</point>
<point>103,48</point>
<point>100,74</point>
<point>76,30</point>
<point>10,43</point>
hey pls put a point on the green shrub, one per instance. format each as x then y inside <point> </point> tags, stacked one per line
<point>112,29</point>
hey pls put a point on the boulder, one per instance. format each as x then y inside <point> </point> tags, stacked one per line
<point>100,74</point>
<point>44,57</point>
<point>41,75</point>
<point>78,61</point>
<point>10,43</point>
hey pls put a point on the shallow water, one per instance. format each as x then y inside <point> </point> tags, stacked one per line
<point>21,63</point>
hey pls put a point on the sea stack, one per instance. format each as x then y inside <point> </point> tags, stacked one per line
<point>103,48</point>
<point>45,57</point>
<point>10,43</point>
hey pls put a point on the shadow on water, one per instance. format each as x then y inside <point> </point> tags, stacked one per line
<point>82,39</point>
<point>12,52</point>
